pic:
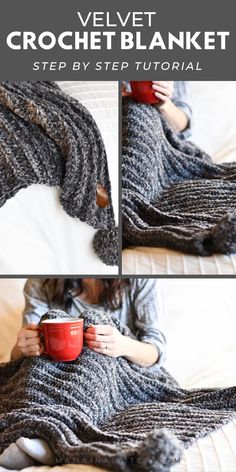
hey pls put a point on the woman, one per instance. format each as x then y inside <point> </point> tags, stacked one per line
<point>173,194</point>
<point>102,410</point>
<point>174,104</point>
<point>133,301</point>
<point>136,302</point>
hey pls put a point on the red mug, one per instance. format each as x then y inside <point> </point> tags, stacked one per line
<point>143,92</point>
<point>63,338</point>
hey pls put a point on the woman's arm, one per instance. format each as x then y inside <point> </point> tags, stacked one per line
<point>143,354</point>
<point>107,340</point>
<point>176,117</point>
<point>15,353</point>
<point>147,313</point>
<point>36,304</point>
<point>28,343</point>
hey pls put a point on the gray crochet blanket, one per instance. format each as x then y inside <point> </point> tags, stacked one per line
<point>47,137</point>
<point>173,195</point>
<point>106,411</point>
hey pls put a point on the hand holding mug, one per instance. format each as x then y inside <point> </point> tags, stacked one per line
<point>163,91</point>
<point>29,342</point>
<point>105,339</point>
<point>125,92</point>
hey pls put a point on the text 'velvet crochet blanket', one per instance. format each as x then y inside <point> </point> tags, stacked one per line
<point>48,137</point>
<point>173,195</point>
<point>106,411</point>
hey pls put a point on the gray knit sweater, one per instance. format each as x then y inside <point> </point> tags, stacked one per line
<point>106,411</point>
<point>173,195</point>
<point>47,137</point>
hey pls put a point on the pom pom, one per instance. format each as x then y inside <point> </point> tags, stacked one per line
<point>222,237</point>
<point>159,451</point>
<point>106,246</point>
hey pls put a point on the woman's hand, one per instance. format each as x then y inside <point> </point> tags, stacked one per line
<point>163,90</point>
<point>125,92</point>
<point>176,117</point>
<point>105,339</point>
<point>28,341</point>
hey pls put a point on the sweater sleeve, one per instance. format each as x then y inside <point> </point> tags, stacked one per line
<point>149,316</point>
<point>36,301</point>
<point>182,99</point>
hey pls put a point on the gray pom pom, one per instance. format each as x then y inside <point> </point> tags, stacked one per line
<point>106,246</point>
<point>158,452</point>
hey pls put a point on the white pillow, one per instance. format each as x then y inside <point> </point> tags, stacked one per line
<point>11,307</point>
<point>214,128</point>
<point>201,327</point>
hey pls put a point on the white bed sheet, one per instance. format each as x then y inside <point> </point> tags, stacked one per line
<point>214,130</point>
<point>36,234</point>
<point>200,327</point>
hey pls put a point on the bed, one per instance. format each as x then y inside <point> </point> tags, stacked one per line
<point>215,131</point>
<point>201,353</point>
<point>36,234</point>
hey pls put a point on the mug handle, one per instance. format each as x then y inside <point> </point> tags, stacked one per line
<point>40,329</point>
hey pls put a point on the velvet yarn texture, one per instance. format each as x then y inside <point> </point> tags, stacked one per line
<point>48,137</point>
<point>106,411</point>
<point>173,194</point>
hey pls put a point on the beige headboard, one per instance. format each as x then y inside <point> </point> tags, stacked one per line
<point>11,306</point>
